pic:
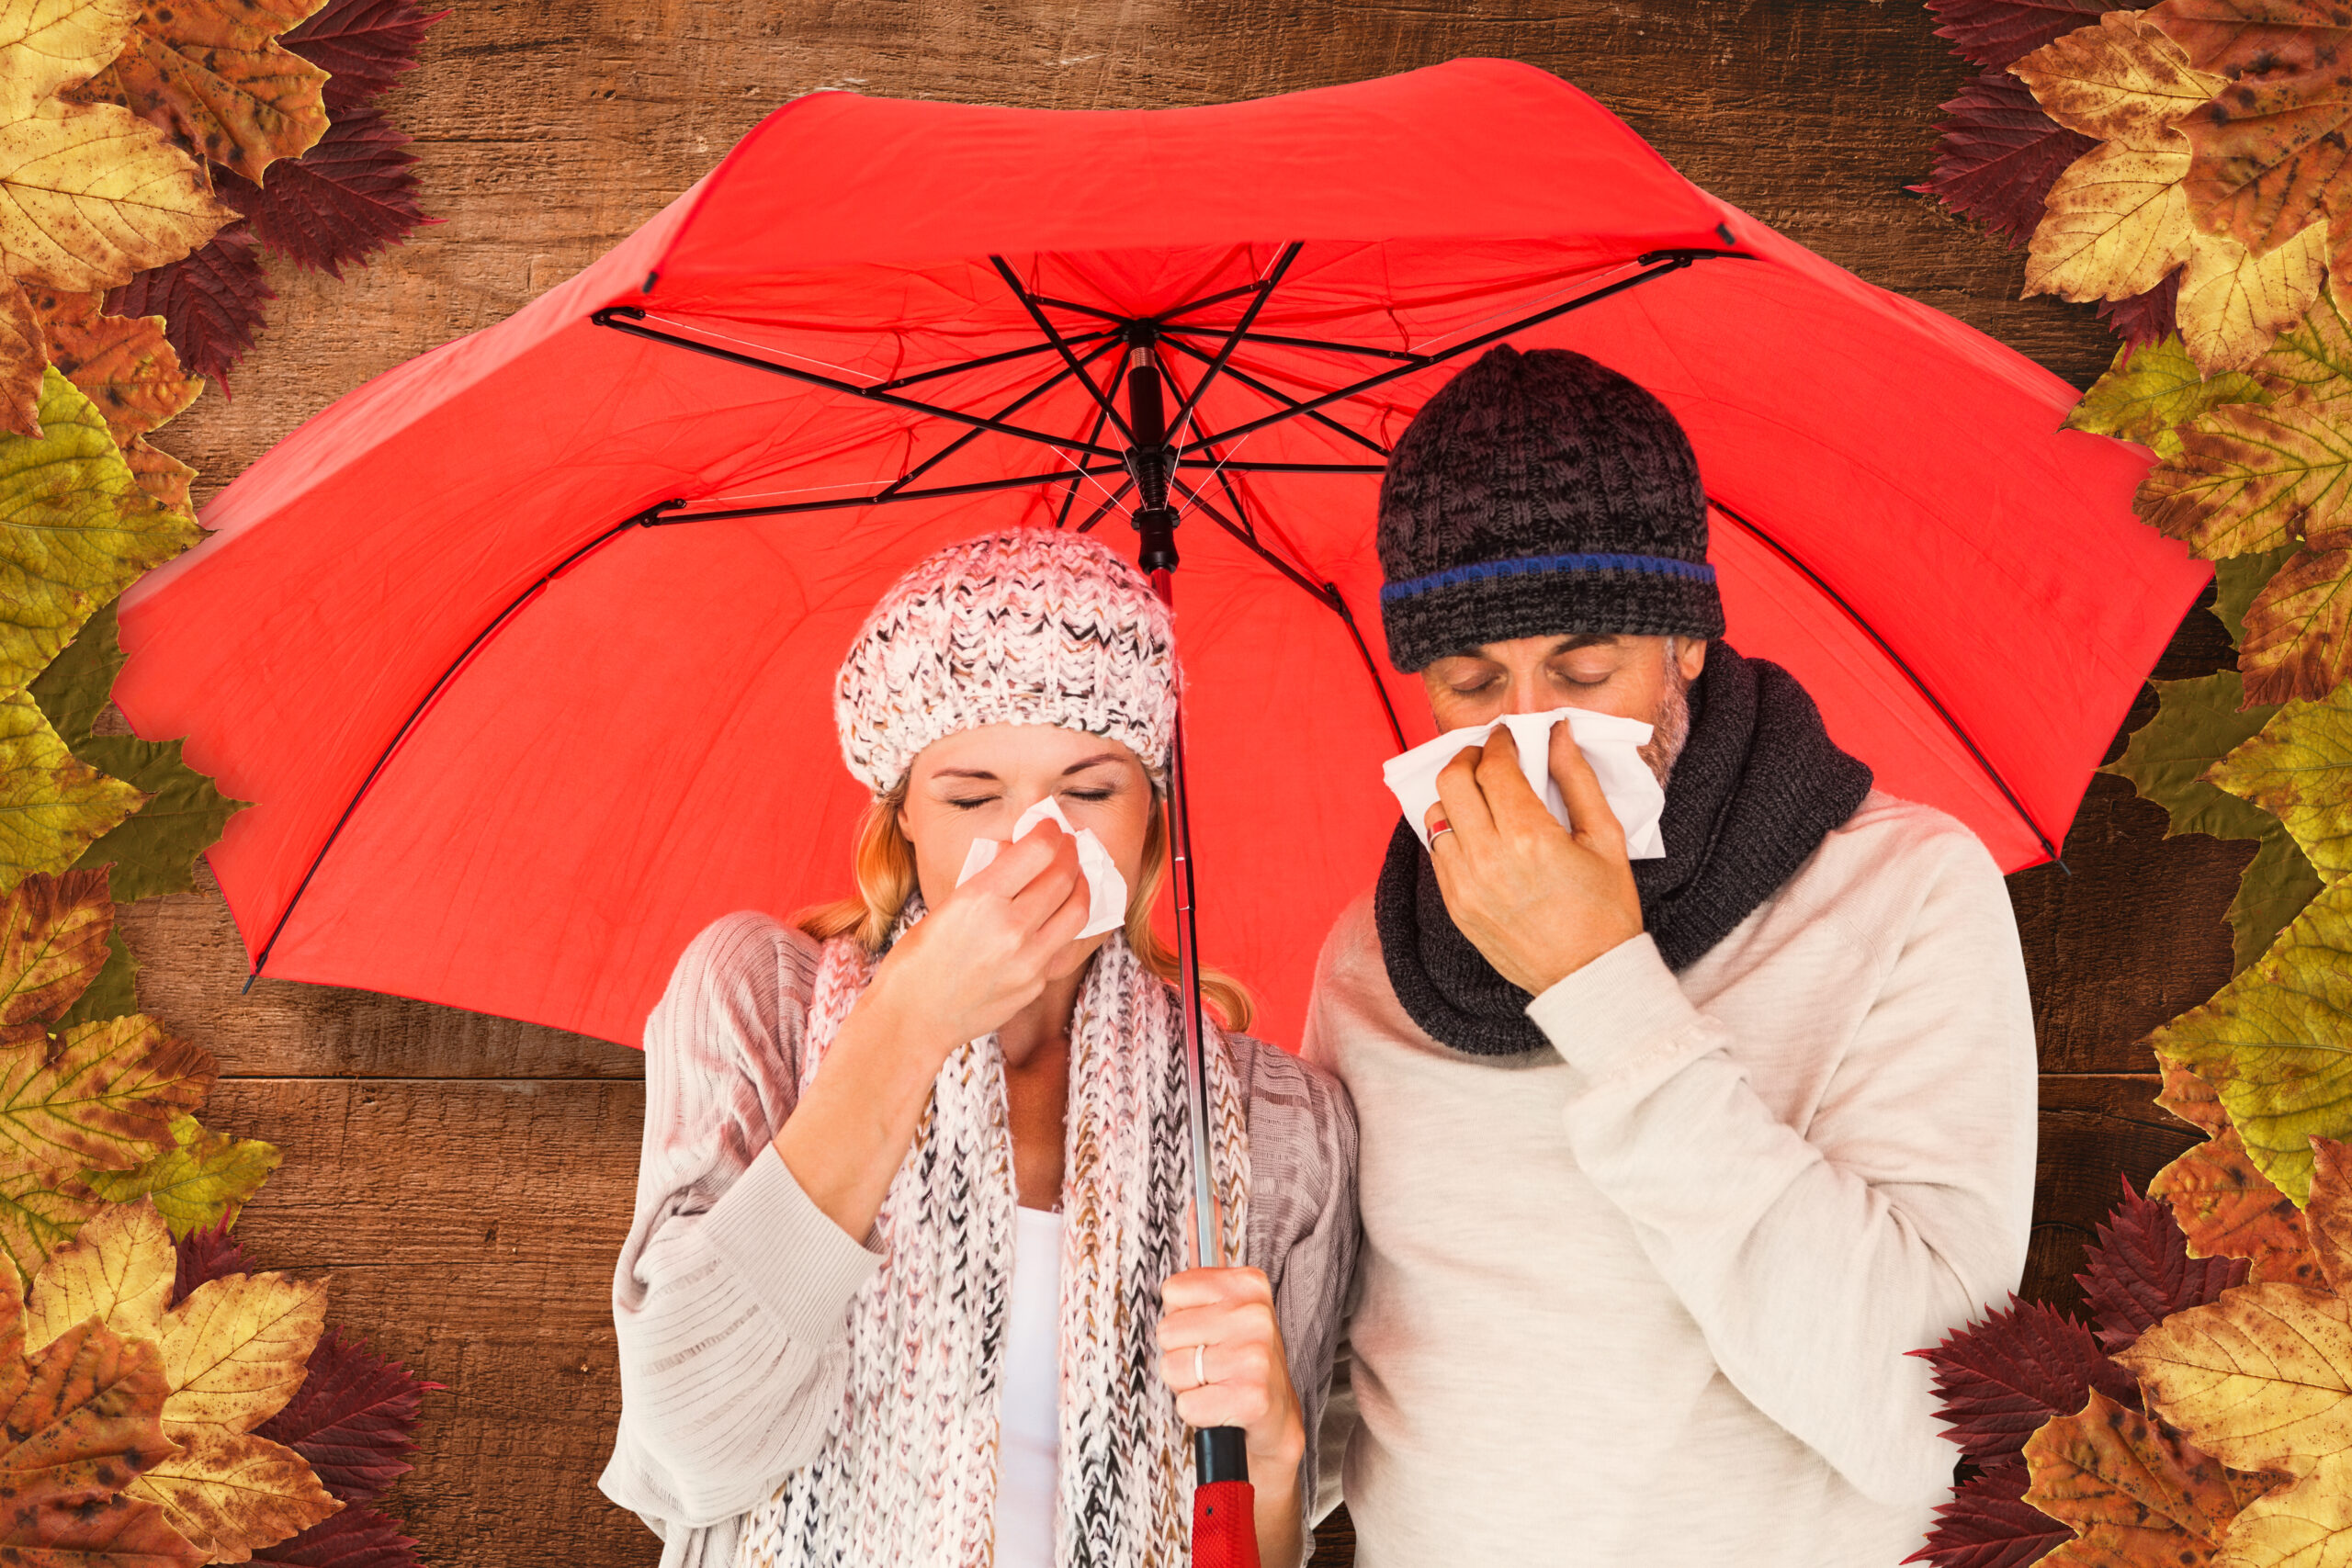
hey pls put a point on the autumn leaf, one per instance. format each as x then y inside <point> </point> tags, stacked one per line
<point>2237,578</point>
<point>39,1213</point>
<point>2001,32</point>
<point>2134,1492</point>
<point>365,45</point>
<point>2191,1098</point>
<point>75,530</point>
<point>52,806</point>
<point>205,1254</point>
<point>2313,358</point>
<point>2118,80</point>
<point>230,1492</point>
<point>115,991</point>
<point>154,852</point>
<point>78,684</point>
<point>2308,1524</point>
<point>1988,1523</point>
<point>23,356</point>
<point>211,75</point>
<point>346,199</point>
<point>2262,1377</point>
<point>2328,1217</point>
<point>91,195</point>
<point>2197,723</point>
<point>2250,477</point>
<point>117,1269</point>
<point>2140,1271</point>
<point>101,1097</point>
<point>2296,643</point>
<point>2150,389</point>
<point>2298,768</point>
<point>2226,1208</point>
<point>2145,318</point>
<point>211,301</point>
<point>203,1180</point>
<point>353,1418</point>
<point>1997,154</point>
<point>163,477</point>
<point>122,364</point>
<point>2012,1370</point>
<point>2271,151</point>
<point>2234,302</point>
<point>52,942</point>
<point>234,1351</point>
<point>59,45</point>
<point>2113,225</point>
<point>355,1537</point>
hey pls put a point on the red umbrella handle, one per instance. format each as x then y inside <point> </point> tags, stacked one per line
<point>1225,1526</point>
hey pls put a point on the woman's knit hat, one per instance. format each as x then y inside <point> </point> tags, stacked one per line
<point>1538,494</point>
<point>1031,625</point>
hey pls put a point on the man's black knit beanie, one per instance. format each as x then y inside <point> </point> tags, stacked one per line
<point>1538,494</point>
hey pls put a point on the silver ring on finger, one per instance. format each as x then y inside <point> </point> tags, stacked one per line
<point>1439,831</point>
<point>1200,1365</point>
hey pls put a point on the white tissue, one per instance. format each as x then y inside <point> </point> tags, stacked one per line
<point>1610,743</point>
<point>1107,890</point>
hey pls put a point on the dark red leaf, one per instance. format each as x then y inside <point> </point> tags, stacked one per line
<point>1998,155</point>
<point>358,1537</point>
<point>365,46</point>
<point>2006,1374</point>
<point>1988,1523</point>
<point>347,198</point>
<point>2145,318</point>
<point>210,301</point>
<point>353,1418</point>
<point>207,1253</point>
<point>2002,32</point>
<point>2141,1271</point>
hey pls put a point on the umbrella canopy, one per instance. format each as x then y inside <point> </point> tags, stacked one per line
<point>525,648</point>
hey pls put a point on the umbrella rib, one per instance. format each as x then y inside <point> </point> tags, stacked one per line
<point>1060,343</point>
<point>839,503</point>
<point>408,726</point>
<point>1203,303</point>
<point>1265,287</point>
<point>1240,465</point>
<point>1909,674</point>
<point>1653,265</point>
<point>1015,406</point>
<point>630,319</point>
<point>1278,398</point>
<point>1030,351</point>
<point>1070,498</point>
<point>1108,501</point>
<point>1285,342</point>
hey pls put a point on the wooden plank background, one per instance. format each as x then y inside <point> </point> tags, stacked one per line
<point>467,1179</point>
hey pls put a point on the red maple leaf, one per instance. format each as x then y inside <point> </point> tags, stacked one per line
<point>365,46</point>
<point>347,198</point>
<point>210,301</point>
<point>2002,32</point>
<point>1988,1523</point>
<point>1997,156</point>
<point>2141,1271</point>
<point>353,1418</point>
<point>2145,318</point>
<point>2008,1373</point>
<point>358,1537</point>
<point>207,1253</point>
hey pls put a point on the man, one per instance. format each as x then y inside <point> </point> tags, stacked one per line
<point>1666,1163</point>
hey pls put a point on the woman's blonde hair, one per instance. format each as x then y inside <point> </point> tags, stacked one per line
<point>884,864</point>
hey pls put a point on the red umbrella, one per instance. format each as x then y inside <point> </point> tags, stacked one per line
<point>523,650</point>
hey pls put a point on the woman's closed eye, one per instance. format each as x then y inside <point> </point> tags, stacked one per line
<point>967,803</point>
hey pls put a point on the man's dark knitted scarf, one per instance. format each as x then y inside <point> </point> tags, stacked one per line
<point>1757,787</point>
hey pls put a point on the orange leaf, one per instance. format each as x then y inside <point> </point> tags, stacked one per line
<point>2298,641</point>
<point>2227,1208</point>
<point>2191,1098</point>
<point>2135,1493</point>
<point>121,363</point>
<point>22,354</point>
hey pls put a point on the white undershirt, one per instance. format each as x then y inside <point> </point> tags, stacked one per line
<point>1029,1427</point>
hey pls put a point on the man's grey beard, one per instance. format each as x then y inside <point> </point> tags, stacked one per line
<point>1671,727</point>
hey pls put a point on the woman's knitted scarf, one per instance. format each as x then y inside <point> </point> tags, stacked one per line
<point>1759,785</point>
<point>907,1477</point>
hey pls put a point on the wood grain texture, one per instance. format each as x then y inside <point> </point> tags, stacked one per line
<point>467,1179</point>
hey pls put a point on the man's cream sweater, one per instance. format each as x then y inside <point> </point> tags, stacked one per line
<point>1642,1301</point>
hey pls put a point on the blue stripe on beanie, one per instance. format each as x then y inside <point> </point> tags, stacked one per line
<point>1529,566</point>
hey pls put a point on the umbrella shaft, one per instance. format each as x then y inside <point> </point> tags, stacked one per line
<point>1208,1250</point>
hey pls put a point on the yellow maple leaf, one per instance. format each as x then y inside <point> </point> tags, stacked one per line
<point>46,45</point>
<point>237,1349</point>
<point>2120,79</point>
<point>2234,302</point>
<point>91,194</point>
<point>2261,1377</point>
<point>118,1270</point>
<point>231,1493</point>
<point>2308,1524</point>
<point>2114,224</point>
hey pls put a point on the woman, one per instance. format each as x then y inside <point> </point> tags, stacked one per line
<point>906,1284</point>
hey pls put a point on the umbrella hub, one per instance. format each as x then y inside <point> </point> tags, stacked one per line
<point>1150,456</point>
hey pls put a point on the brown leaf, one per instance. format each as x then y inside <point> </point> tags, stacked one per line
<point>2191,1098</point>
<point>121,363</point>
<point>210,74</point>
<point>2135,1493</point>
<point>2228,1209</point>
<point>2233,300</point>
<point>39,1213</point>
<point>2252,477</point>
<point>2270,147</point>
<point>102,1096</point>
<point>2311,359</point>
<point>2296,646</point>
<point>2118,80</point>
<point>77,1421</point>
<point>2114,226</point>
<point>53,945</point>
<point>163,477</point>
<point>2328,1215</point>
<point>231,1493</point>
<point>22,354</point>
<point>2261,1378</point>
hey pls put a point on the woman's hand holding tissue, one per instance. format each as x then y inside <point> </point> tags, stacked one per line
<point>1538,900</point>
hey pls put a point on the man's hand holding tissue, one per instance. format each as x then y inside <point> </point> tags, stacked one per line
<point>1538,900</point>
